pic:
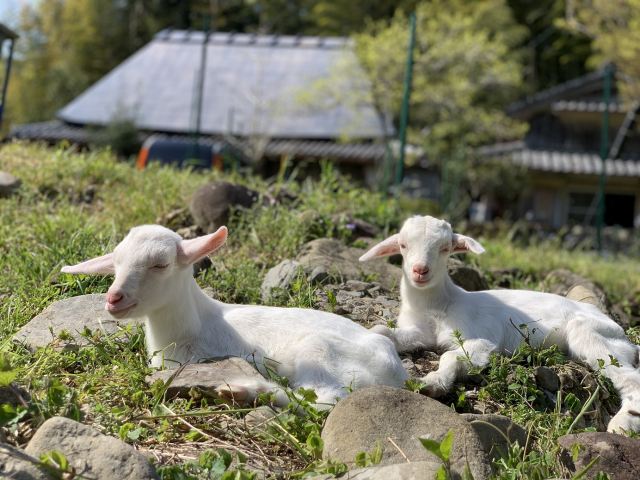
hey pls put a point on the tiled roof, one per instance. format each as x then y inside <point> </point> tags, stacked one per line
<point>586,106</point>
<point>561,162</point>
<point>253,85</point>
<point>572,93</point>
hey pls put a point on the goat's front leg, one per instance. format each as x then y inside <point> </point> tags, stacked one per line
<point>455,364</point>
<point>405,339</point>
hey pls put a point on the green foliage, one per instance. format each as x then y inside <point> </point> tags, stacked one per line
<point>442,450</point>
<point>211,465</point>
<point>367,459</point>
<point>464,50</point>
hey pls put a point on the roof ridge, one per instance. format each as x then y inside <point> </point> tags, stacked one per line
<point>252,39</point>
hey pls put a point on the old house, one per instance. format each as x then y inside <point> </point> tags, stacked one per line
<point>263,92</point>
<point>561,153</point>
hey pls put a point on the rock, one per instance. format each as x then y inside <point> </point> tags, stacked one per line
<point>70,315</point>
<point>619,455</point>
<point>492,430</point>
<point>337,261</point>
<point>363,302</point>
<point>17,465</point>
<point>203,378</point>
<point>466,277</point>
<point>547,379</point>
<point>176,219</point>
<point>356,226</point>
<point>13,395</point>
<point>260,417</point>
<point>279,277</point>
<point>211,204</point>
<point>8,184</point>
<point>89,452</point>
<point>581,293</point>
<point>385,414</point>
<point>561,281</point>
<point>424,470</point>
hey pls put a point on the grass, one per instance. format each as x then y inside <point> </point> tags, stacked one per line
<point>75,205</point>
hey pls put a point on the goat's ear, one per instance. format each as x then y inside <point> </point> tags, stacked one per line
<point>96,266</point>
<point>462,243</point>
<point>389,246</point>
<point>190,251</point>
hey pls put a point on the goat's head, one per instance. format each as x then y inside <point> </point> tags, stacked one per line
<point>149,264</point>
<point>425,244</point>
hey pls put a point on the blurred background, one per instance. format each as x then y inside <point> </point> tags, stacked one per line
<point>480,110</point>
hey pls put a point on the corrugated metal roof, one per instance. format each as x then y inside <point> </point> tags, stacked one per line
<point>561,162</point>
<point>253,86</point>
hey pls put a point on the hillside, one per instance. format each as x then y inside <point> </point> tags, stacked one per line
<point>72,206</point>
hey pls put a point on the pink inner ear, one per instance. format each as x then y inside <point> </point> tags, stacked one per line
<point>389,246</point>
<point>190,251</point>
<point>462,243</point>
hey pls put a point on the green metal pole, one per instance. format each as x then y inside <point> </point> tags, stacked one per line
<point>404,113</point>
<point>604,153</point>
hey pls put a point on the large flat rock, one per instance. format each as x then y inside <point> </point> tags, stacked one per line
<point>89,452</point>
<point>70,315</point>
<point>17,465</point>
<point>331,258</point>
<point>396,419</point>
<point>618,456</point>
<point>204,377</point>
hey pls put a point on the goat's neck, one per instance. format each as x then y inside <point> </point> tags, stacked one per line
<point>182,318</point>
<point>437,298</point>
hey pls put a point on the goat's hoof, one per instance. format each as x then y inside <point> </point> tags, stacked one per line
<point>625,421</point>
<point>433,386</point>
<point>233,393</point>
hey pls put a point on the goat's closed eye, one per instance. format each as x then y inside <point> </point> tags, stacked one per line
<point>160,266</point>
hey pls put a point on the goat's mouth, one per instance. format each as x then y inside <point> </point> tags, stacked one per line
<point>118,311</point>
<point>420,280</point>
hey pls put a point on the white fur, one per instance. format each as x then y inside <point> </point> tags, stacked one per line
<point>317,350</point>
<point>432,308</point>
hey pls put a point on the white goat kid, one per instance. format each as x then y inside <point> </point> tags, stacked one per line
<point>432,308</point>
<point>154,282</point>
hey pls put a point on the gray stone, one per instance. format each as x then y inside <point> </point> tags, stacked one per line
<point>496,432</point>
<point>70,315</point>
<point>581,293</point>
<point>89,452</point>
<point>279,277</point>
<point>424,470</point>
<point>14,395</point>
<point>211,204</point>
<point>366,303</point>
<point>547,379</point>
<point>384,415</point>
<point>17,465</point>
<point>203,378</point>
<point>8,184</point>
<point>335,260</point>
<point>466,277</point>
<point>561,281</point>
<point>619,455</point>
<point>260,418</point>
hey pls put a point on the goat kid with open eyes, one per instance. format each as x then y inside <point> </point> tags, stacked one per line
<point>154,282</point>
<point>433,308</point>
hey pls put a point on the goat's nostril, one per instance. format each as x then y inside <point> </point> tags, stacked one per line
<point>114,297</point>
<point>420,269</point>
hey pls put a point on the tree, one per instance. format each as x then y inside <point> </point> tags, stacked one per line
<point>466,70</point>
<point>614,26</point>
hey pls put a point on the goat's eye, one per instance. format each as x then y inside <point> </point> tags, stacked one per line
<point>160,266</point>
<point>444,250</point>
<point>403,245</point>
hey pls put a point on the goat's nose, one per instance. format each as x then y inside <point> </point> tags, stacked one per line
<point>420,269</point>
<point>114,297</point>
